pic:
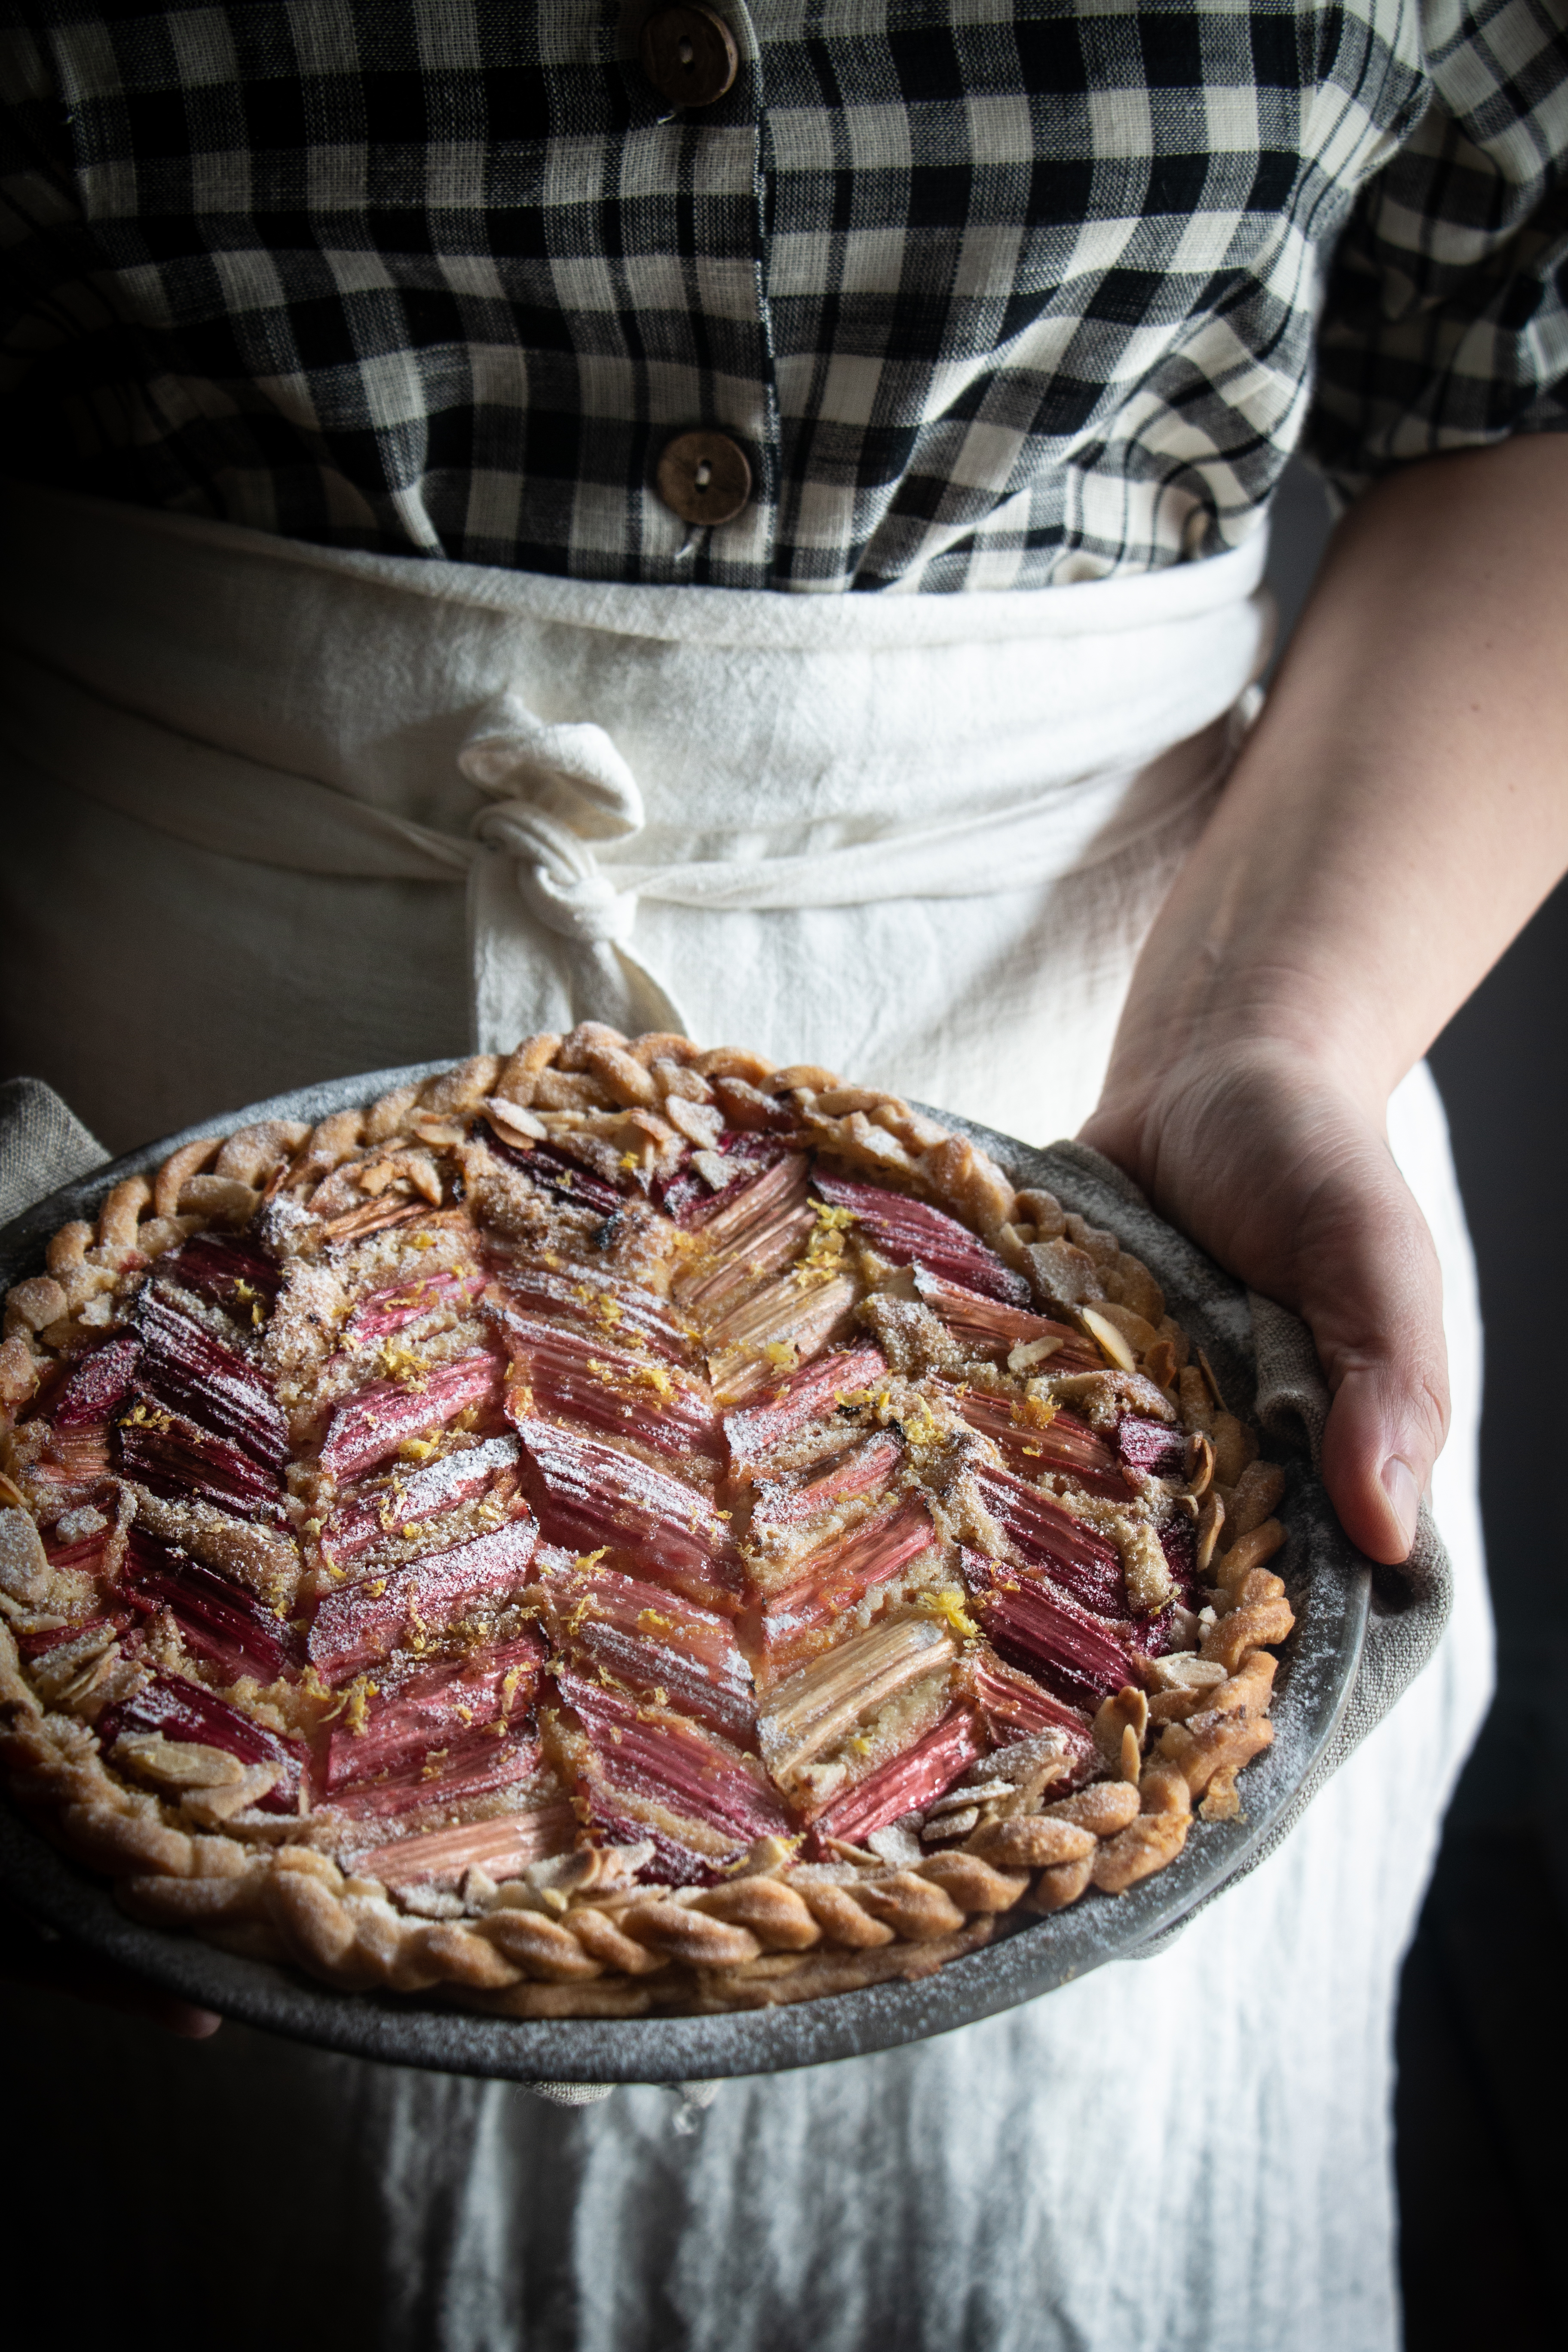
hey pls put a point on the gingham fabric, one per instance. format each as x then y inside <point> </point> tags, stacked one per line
<point>994,293</point>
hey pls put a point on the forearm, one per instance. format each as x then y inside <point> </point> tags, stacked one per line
<point>1402,806</point>
<point>1396,814</point>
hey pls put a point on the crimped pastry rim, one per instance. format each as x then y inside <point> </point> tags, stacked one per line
<point>1022,1962</point>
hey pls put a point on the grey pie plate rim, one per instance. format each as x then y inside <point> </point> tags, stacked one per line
<point>1330,1586</point>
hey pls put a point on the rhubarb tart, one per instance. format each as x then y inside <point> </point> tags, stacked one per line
<point>618,1528</point>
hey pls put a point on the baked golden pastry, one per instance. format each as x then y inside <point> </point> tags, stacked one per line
<point>622,1526</point>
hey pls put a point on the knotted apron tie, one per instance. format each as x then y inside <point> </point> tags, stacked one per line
<point>556,790</point>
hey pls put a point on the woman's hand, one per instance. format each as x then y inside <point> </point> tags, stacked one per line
<point>1277,1171</point>
<point>1396,814</point>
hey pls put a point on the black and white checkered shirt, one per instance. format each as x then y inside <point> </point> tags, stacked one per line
<point>993,293</point>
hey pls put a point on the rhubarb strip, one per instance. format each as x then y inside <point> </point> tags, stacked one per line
<point>195,1375</point>
<point>87,1554</point>
<point>777,1328</point>
<point>1062,1443</point>
<point>488,1694</point>
<point>1078,1658</point>
<point>454,1775</point>
<point>663,1677</point>
<point>689,1772</point>
<point>406,1498</point>
<point>1150,1446</point>
<point>689,1199</point>
<point>382,1312</point>
<point>97,1385</point>
<point>910,1233</point>
<point>838,1578</point>
<point>671,1861</point>
<point>1046,1537</point>
<point>751,1209</point>
<point>910,1782</point>
<point>178,1458</point>
<point>801,1396</point>
<point>862,1471</point>
<point>1179,1542</point>
<point>217,1620</point>
<point>558,1172</point>
<point>652,1641</point>
<point>371,1425</point>
<point>77,1457</point>
<point>615,1309</point>
<point>1016,1706</point>
<point>716,1283</point>
<point>230,1273</point>
<point>587,1379</point>
<point>991,1327</point>
<point>590,1497</point>
<point>359,1625</point>
<point>823,1703</point>
<point>502,1849</point>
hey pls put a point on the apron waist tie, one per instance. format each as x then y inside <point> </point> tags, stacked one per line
<point>556,796</point>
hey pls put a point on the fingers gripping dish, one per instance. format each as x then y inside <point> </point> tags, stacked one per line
<point>615,1528</point>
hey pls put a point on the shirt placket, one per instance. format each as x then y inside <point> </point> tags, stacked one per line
<point>684,201</point>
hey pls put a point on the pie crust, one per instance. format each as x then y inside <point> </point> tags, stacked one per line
<point>620,1528</point>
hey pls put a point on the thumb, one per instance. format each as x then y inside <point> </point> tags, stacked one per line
<point>1374,1303</point>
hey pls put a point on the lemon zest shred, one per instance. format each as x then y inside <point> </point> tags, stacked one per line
<point>947,1603</point>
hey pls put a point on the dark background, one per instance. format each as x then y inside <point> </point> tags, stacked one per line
<point>1482,2073</point>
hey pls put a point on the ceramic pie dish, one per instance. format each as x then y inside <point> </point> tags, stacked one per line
<point>624,1563</point>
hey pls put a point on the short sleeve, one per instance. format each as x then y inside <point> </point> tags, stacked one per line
<point>1445,323</point>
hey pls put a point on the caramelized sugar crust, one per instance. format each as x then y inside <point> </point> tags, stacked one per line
<point>618,1528</point>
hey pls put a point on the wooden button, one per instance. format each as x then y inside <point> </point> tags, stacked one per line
<point>704,478</point>
<point>689,55</point>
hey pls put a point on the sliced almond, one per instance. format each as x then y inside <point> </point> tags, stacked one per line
<point>1107,1339</point>
<point>963,1795</point>
<point>763,1856</point>
<point>950,1825</point>
<point>1151,1587</point>
<point>701,1123</point>
<point>1181,1671</point>
<point>1136,1330</point>
<point>512,1123</point>
<point>177,1763</point>
<point>209,1807</point>
<point>566,1874</point>
<point>1126,1713</point>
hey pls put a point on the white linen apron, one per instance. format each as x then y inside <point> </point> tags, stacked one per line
<point>277,811</point>
<point>335,811</point>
